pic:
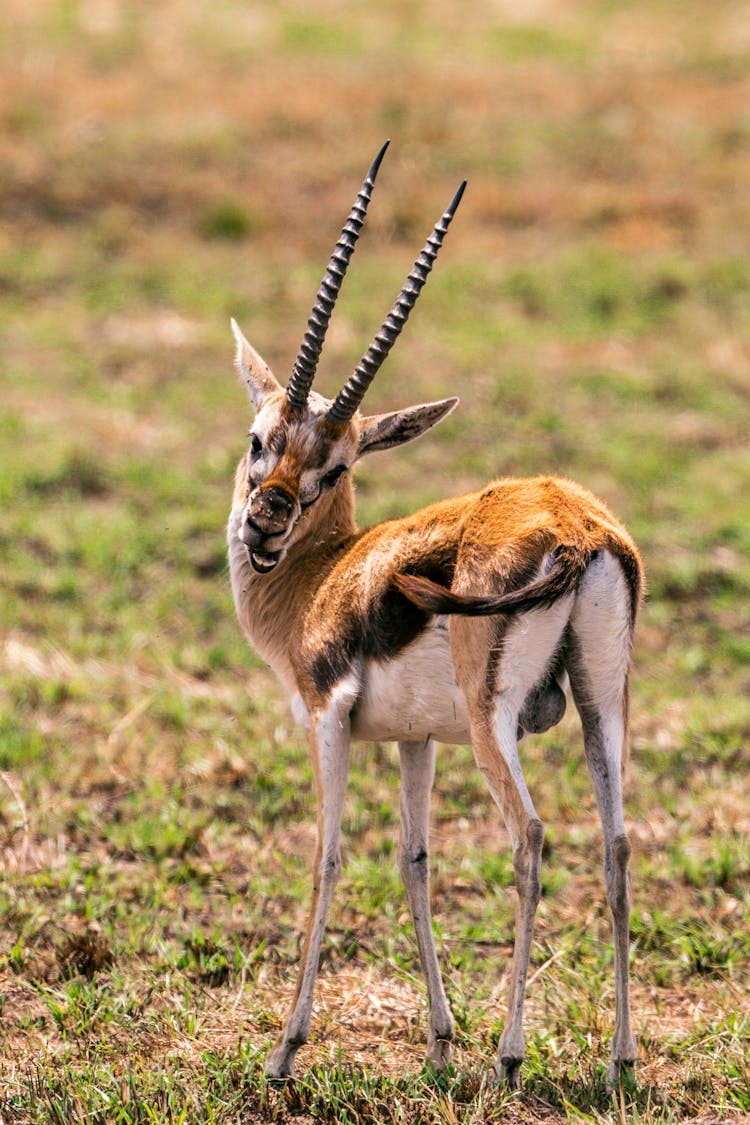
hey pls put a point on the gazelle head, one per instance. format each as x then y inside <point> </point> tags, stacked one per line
<point>302,445</point>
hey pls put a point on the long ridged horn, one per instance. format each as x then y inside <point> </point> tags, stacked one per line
<point>352,393</point>
<point>306,362</point>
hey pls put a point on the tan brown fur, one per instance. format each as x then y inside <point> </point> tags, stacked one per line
<point>462,621</point>
<point>341,572</point>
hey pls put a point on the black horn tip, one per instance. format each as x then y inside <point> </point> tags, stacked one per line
<point>375,166</point>
<point>453,205</point>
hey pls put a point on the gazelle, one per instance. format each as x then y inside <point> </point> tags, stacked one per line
<point>462,622</point>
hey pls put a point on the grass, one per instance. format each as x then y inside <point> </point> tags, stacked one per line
<point>166,167</point>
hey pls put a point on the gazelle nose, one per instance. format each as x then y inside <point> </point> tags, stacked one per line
<point>277,502</point>
<point>271,509</point>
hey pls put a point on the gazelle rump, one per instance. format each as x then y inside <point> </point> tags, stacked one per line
<point>463,622</point>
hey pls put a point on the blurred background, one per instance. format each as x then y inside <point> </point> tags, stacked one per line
<point>166,166</point>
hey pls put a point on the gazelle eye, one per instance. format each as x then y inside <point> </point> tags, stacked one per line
<point>333,475</point>
<point>256,447</point>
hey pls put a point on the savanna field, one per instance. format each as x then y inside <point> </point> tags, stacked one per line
<point>166,166</point>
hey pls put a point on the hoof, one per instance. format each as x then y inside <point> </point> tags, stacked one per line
<point>620,1072</point>
<point>439,1055</point>
<point>279,1066</point>
<point>508,1073</point>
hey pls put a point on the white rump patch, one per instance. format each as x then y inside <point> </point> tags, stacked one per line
<point>602,622</point>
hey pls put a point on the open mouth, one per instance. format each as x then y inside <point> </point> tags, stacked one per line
<point>263,563</point>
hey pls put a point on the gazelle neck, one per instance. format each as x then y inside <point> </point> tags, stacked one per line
<point>270,606</point>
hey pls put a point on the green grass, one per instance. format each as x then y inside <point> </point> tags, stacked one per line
<point>165,169</point>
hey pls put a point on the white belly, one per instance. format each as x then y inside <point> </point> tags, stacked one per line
<point>414,696</point>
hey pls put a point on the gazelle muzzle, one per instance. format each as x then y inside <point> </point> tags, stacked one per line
<point>268,521</point>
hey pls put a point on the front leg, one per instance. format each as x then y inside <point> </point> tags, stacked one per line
<point>329,737</point>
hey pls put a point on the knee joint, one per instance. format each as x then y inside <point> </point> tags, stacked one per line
<point>535,836</point>
<point>616,874</point>
<point>329,869</point>
<point>621,851</point>
<point>413,859</point>
<point>527,859</point>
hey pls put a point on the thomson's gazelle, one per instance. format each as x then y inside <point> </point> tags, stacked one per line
<point>463,622</point>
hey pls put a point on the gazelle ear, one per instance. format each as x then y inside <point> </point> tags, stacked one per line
<point>381,431</point>
<point>254,371</point>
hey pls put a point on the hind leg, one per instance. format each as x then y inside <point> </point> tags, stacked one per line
<point>498,664</point>
<point>496,752</point>
<point>604,732</point>
<point>598,661</point>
